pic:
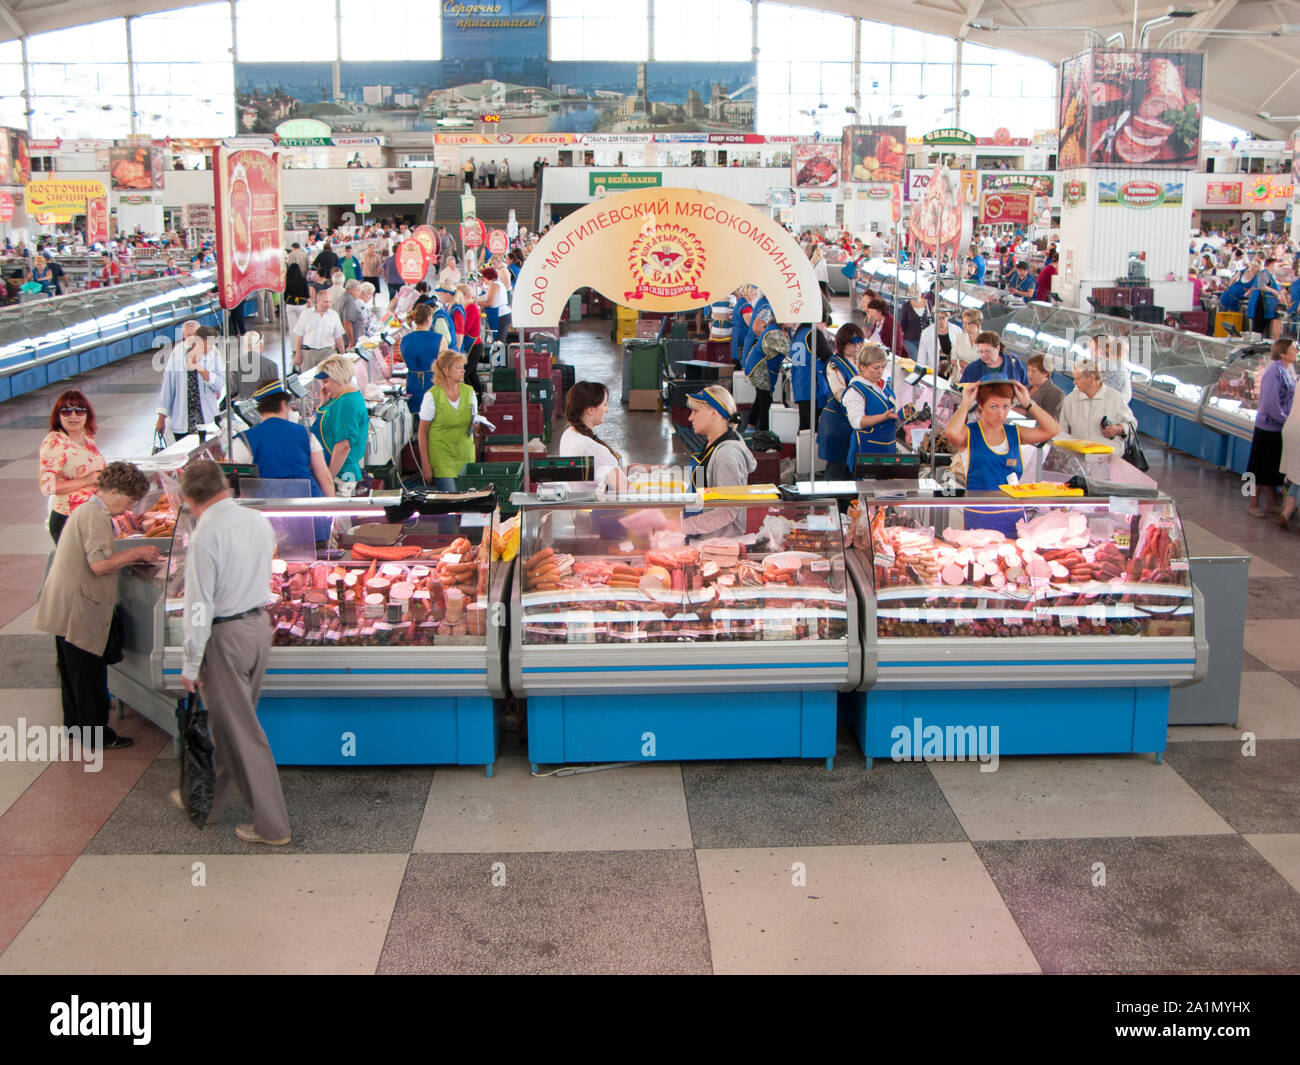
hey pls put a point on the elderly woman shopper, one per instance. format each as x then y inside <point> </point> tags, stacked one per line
<point>70,461</point>
<point>1095,411</point>
<point>80,592</point>
<point>1276,398</point>
<point>344,421</point>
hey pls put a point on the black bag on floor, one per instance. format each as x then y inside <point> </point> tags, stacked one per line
<point>198,773</point>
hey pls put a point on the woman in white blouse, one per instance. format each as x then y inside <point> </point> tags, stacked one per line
<point>585,408</point>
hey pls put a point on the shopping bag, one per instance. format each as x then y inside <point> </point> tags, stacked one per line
<point>1133,454</point>
<point>159,442</point>
<point>198,772</point>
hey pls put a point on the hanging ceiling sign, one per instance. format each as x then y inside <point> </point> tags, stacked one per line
<point>665,250</point>
<point>949,136</point>
<point>249,224</point>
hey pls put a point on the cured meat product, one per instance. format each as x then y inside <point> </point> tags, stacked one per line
<point>974,537</point>
<point>362,552</point>
<point>952,575</point>
<point>1164,88</point>
<point>1128,148</point>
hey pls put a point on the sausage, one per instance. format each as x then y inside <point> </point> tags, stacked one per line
<point>395,553</point>
<point>540,557</point>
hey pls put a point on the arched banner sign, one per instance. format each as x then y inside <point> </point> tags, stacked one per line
<point>665,250</point>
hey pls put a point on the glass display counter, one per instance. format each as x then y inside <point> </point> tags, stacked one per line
<point>738,610</point>
<point>1068,636</point>
<point>383,651</point>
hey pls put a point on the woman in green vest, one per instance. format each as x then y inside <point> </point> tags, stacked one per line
<point>448,413</point>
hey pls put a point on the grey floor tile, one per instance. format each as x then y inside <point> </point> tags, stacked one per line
<point>1253,793</point>
<point>331,811</point>
<point>1273,597</point>
<point>1251,664</point>
<point>1293,678</point>
<point>767,804</point>
<point>1166,905</point>
<point>578,912</point>
<point>28,662</point>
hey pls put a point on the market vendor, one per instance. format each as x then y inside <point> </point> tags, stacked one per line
<point>448,414</point>
<point>740,322</point>
<point>344,421</point>
<point>991,447</point>
<point>808,348</point>
<point>871,407</point>
<point>419,348</point>
<point>755,359</point>
<point>833,430</point>
<point>723,462</point>
<point>282,449</point>
<point>993,363</point>
<point>1231,297</point>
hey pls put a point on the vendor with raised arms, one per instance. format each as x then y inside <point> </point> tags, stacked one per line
<point>992,447</point>
<point>871,407</point>
<point>723,462</point>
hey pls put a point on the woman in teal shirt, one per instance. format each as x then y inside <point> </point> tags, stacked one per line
<point>345,422</point>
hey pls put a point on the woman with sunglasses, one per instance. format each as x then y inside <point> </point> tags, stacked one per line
<point>70,461</point>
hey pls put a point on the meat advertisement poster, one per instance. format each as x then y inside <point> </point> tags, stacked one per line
<point>1007,208</point>
<point>816,166</point>
<point>1132,109</point>
<point>250,239</point>
<point>873,153</point>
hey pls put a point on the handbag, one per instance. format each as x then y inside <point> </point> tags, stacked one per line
<point>1133,454</point>
<point>198,769</point>
<point>114,648</point>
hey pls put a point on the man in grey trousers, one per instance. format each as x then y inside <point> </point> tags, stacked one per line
<point>227,642</point>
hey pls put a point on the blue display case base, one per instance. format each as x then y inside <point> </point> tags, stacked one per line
<point>356,730</point>
<point>1151,422</point>
<point>984,725</point>
<point>681,727</point>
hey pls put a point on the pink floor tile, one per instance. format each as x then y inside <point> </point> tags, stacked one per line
<point>28,881</point>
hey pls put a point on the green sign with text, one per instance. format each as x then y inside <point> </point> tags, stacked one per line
<point>623,180</point>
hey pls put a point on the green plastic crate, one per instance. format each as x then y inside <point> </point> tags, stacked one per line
<point>507,476</point>
<point>505,378</point>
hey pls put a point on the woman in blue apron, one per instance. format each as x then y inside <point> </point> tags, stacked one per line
<point>1261,307</point>
<point>420,349</point>
<point>992,446</point>
<point>834,434</point>
<point>872,407</point>
<point>739,325</point>
<point>1230,298</point>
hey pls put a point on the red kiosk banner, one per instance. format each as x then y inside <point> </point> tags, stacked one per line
<point>6,207</point>
<point>498,243</point>
<point>97,221</point>
<point>412,261</point>
<point>250,235</point>
<point>1006,208</point>
<point>472,233</point>
<point>428,240</point>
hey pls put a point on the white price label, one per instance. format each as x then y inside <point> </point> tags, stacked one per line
<point>1097,613</point>
<point>909,613</point>
<point>823,565</point>
<point>1069,621</point>
<point>1123,505</point>
<point>451,560</point>
<point>475,521</point>
<point>885,555</point>
<point>821,523</point>
<point>1179,565</point>
<point>935,616</point>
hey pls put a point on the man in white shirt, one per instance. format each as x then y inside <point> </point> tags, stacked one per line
<point>319,332</point>
<point>877,243</point>
<point>227,644</point>
<point>1095,411</point>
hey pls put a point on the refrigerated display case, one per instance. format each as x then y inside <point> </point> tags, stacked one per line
<point>1186,387</point>
<point>1067,639</point>
<point>50,340</point>
<point>889,280</point>
<point>661,630</point>
<point>385,649</point>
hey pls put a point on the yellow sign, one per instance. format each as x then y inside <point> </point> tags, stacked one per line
<point>665,250</point>
<point>61,197</point>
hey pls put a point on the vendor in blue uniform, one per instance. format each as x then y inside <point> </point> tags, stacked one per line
<point>993,363</point>
<point>280,448</point>
<point>808,347</point>
<point>1230,298</point>
<point>740,323</point>
<point>871,407</point>
<point>420,349</point>
<point>976,267</point>
<point>1020,282</point>
<point>992,447</point>
<point>1261,305</point>
<point>760,322</point>
<point>833,430</point>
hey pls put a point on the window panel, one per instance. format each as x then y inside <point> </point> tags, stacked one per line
<point>874,72</point>
<point>937,79</point>
<point>420,36</point>
<point>191,34</point>
<point>182,116</point>
<point>979,79</point>
<point>271,31</point>
<point>703,30</point>
<point>106,117</point>
<point>796,33</point>
<point>590,30</point>
<point>91,79</point>
<point>909,45</point>
<point>98,42</point>
<point>906,79</point>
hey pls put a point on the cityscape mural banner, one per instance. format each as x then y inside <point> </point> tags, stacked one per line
<point>496,76</point>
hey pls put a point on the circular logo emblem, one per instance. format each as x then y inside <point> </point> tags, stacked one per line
<point>666,261</point>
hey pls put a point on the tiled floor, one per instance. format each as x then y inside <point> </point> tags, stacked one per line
<point>1076,864</point>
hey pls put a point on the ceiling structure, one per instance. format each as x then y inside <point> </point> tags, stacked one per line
<point>1246,78</point>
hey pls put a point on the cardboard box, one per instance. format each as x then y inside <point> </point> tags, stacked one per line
<point>643,399</point>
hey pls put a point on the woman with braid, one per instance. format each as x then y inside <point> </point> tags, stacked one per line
<point>585,408</point>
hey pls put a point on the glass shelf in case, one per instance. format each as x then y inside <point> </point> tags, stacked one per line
<point>630,573</point>
<point>344,575</point>
<point>1089,567</point>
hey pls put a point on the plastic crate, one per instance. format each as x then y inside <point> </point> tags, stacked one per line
<point>505,378</point>
<point>508,477</point>
<point>561,468</point>
<point>537,365</point>
<point>623,331</point>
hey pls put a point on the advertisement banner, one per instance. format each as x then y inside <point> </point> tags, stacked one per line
<point>498,243</point>
<point>600,182</point>
<point>815,166</point>
<point>938,218</point>
<point>816,197</point>
<point>412,261</point>
<point>197,216</point>
<point>6,207</point>
<point>249,224</point>
<point>1268,190</point>
<point>1038,183</point>
<point>15,157</point>
<point>399,181</point>
<point>1131,109</point>
<point>61,197</point>
<point>665,250</point>
<point>1223,194</point>
<point>1140,195</point>
<point>876,190</point>
<point>472,233</point>
<point>1076,192</point>
<point>476,139</point>
<point>1006,208</point>
<point>873,153</point>
<point>97,221</point>
<point>131,167</point>
<point>427,239</point>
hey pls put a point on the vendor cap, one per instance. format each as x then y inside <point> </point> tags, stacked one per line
<point>718,398</point>
<point>271,388</point>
